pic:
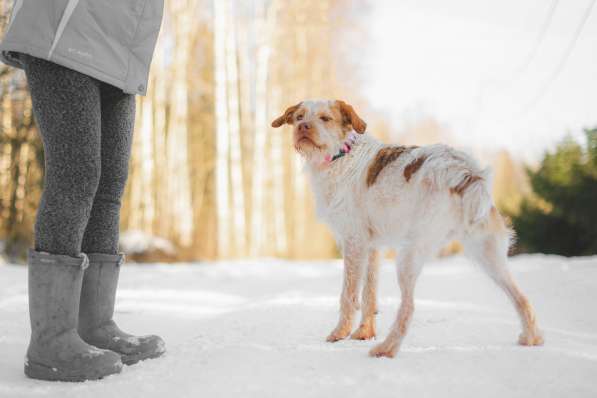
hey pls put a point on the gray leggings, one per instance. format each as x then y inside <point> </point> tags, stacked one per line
<point>86,127</point>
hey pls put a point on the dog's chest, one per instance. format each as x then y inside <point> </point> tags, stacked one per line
<point>334,203</point>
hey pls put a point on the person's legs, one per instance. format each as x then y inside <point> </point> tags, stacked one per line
<point>100,241</point>
<point>117,122</point>
<point>66,105</point>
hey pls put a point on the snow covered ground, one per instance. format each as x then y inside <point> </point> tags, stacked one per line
<point>257,329</point>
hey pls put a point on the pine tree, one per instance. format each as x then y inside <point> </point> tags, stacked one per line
<point>562,216</point>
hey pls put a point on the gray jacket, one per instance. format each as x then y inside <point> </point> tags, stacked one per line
<point>110,40</point>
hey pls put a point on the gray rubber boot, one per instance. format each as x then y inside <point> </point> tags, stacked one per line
<point>56,351</point>
<point>96,326</point>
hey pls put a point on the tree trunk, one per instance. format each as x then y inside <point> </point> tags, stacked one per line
<point>266,20</point>
<point>222,139</point>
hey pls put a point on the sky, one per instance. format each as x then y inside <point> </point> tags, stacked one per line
<point>480,68</point>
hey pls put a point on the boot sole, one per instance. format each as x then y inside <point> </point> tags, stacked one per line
<point>38,371</point>
<point>134,358</point>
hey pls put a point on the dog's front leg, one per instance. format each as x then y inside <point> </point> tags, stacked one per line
<point>355,256</point>
<point>366,329</point>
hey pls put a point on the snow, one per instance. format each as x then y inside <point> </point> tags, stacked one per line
<point>257,329</point>
<point>138,242</point>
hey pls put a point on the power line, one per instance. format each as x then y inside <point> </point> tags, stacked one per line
<point>560,66</point>
<point>518,72</point>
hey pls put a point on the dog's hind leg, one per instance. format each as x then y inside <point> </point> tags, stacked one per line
<point>409,265</point>
<point>355,256</point>
<point>488,247</point>
<point>366,329</point>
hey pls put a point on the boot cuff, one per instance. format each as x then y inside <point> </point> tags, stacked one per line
<point>44,258</point>
<point>106,258</point>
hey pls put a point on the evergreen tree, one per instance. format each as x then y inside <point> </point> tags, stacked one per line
<point>561,218</point>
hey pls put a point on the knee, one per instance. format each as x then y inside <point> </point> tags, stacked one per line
<point>111,188</point>
<point>73,186</point>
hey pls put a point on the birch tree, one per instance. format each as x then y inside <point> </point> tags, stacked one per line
<point>236,175</point>
<point>266,21</point>
<point>222,129</point>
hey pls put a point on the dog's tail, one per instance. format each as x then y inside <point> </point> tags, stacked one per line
<point>474,188</point>
<point>480,214</point>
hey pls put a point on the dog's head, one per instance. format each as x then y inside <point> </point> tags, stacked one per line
<point>321,127</point>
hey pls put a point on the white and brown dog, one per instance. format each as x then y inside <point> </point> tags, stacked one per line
<point>412,199</point>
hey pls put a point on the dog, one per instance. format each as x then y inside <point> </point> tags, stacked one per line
<point>409,198</point>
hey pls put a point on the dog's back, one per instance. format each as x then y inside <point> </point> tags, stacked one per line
<point>434,187</point>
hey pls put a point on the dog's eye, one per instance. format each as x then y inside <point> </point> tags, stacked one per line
<point>325,118</point>
<point>299,117</point>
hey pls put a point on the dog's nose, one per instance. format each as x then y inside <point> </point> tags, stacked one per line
<point>304,127</point>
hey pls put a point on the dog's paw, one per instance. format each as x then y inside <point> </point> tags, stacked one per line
<point>338,334</point>
<point>531,339</point>
<point>365,332</point>
<point>385,349</point>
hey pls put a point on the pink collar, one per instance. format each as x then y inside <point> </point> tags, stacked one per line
<point>346,148</point>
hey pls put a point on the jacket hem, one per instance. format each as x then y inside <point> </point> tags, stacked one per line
<point>90,71</point>
<point>39,52</point>
<point>29,49</point>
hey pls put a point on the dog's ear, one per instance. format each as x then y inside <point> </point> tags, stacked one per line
<point>349,116</point>
<point>287,116</point>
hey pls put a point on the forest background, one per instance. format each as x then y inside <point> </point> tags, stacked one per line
<point>209,178</point>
